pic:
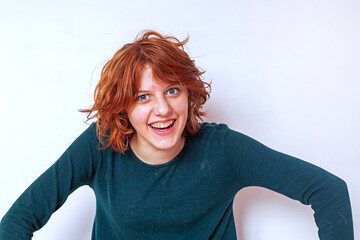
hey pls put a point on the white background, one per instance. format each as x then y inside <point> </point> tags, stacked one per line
<point>284,72</point>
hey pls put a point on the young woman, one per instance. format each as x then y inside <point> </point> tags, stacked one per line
<point>157,172</point>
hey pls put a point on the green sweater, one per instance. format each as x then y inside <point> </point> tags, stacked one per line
<point>190,197</point>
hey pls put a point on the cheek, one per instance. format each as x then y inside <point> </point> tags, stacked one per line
<point>182,108</point>
<point>138,116</point>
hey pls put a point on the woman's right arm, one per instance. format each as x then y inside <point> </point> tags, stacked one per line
<point>46,194</point>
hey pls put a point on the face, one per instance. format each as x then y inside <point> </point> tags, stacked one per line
<point>158,115</point>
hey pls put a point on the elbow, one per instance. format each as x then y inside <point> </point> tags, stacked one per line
<point>338,186</point>
<point>328,188</point>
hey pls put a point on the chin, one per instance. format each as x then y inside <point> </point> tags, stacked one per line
<point>168,144</point>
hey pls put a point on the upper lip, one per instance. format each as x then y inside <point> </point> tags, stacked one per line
<point>163,121</point>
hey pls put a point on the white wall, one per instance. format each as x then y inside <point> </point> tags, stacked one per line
<point>284,72</point>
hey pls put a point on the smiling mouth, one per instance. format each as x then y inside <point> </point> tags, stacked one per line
<point>162,125</point>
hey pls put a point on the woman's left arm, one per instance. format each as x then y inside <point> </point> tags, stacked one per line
<point>257,165</point>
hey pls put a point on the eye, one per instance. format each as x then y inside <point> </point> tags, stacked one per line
<point>142,97</point>
<point>172,91</point>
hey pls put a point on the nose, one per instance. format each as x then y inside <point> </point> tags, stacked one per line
<point>162,106</point>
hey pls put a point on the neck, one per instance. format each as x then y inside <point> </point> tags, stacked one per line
<point>154,156</point>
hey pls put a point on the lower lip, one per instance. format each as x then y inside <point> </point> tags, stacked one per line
<point>164,132</point>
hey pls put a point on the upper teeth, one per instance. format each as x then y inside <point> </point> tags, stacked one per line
<point>162,124</point>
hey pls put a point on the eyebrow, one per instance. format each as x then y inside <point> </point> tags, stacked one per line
<point>142,91</point>
<point>168,86</point>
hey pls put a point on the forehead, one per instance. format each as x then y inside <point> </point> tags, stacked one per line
<point>148,81</point>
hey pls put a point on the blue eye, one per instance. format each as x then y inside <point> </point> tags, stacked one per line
<point>143,97</point>
<point>172,91</point>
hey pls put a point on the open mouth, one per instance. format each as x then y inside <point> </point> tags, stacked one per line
<point>162,126</point>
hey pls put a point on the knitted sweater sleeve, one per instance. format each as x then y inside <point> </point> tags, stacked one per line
<point>46,194</point>
<point>257,165</point>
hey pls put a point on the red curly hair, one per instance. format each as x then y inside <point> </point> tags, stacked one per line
<point>116,91</point>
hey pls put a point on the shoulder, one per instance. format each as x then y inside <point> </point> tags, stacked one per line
<point>88,135</point>
<point>225,136</point>
<point>90,132</point>
<point>211,134</point>
<point>208,128</point>
<point>86,140</point>
<point>218,130</point>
